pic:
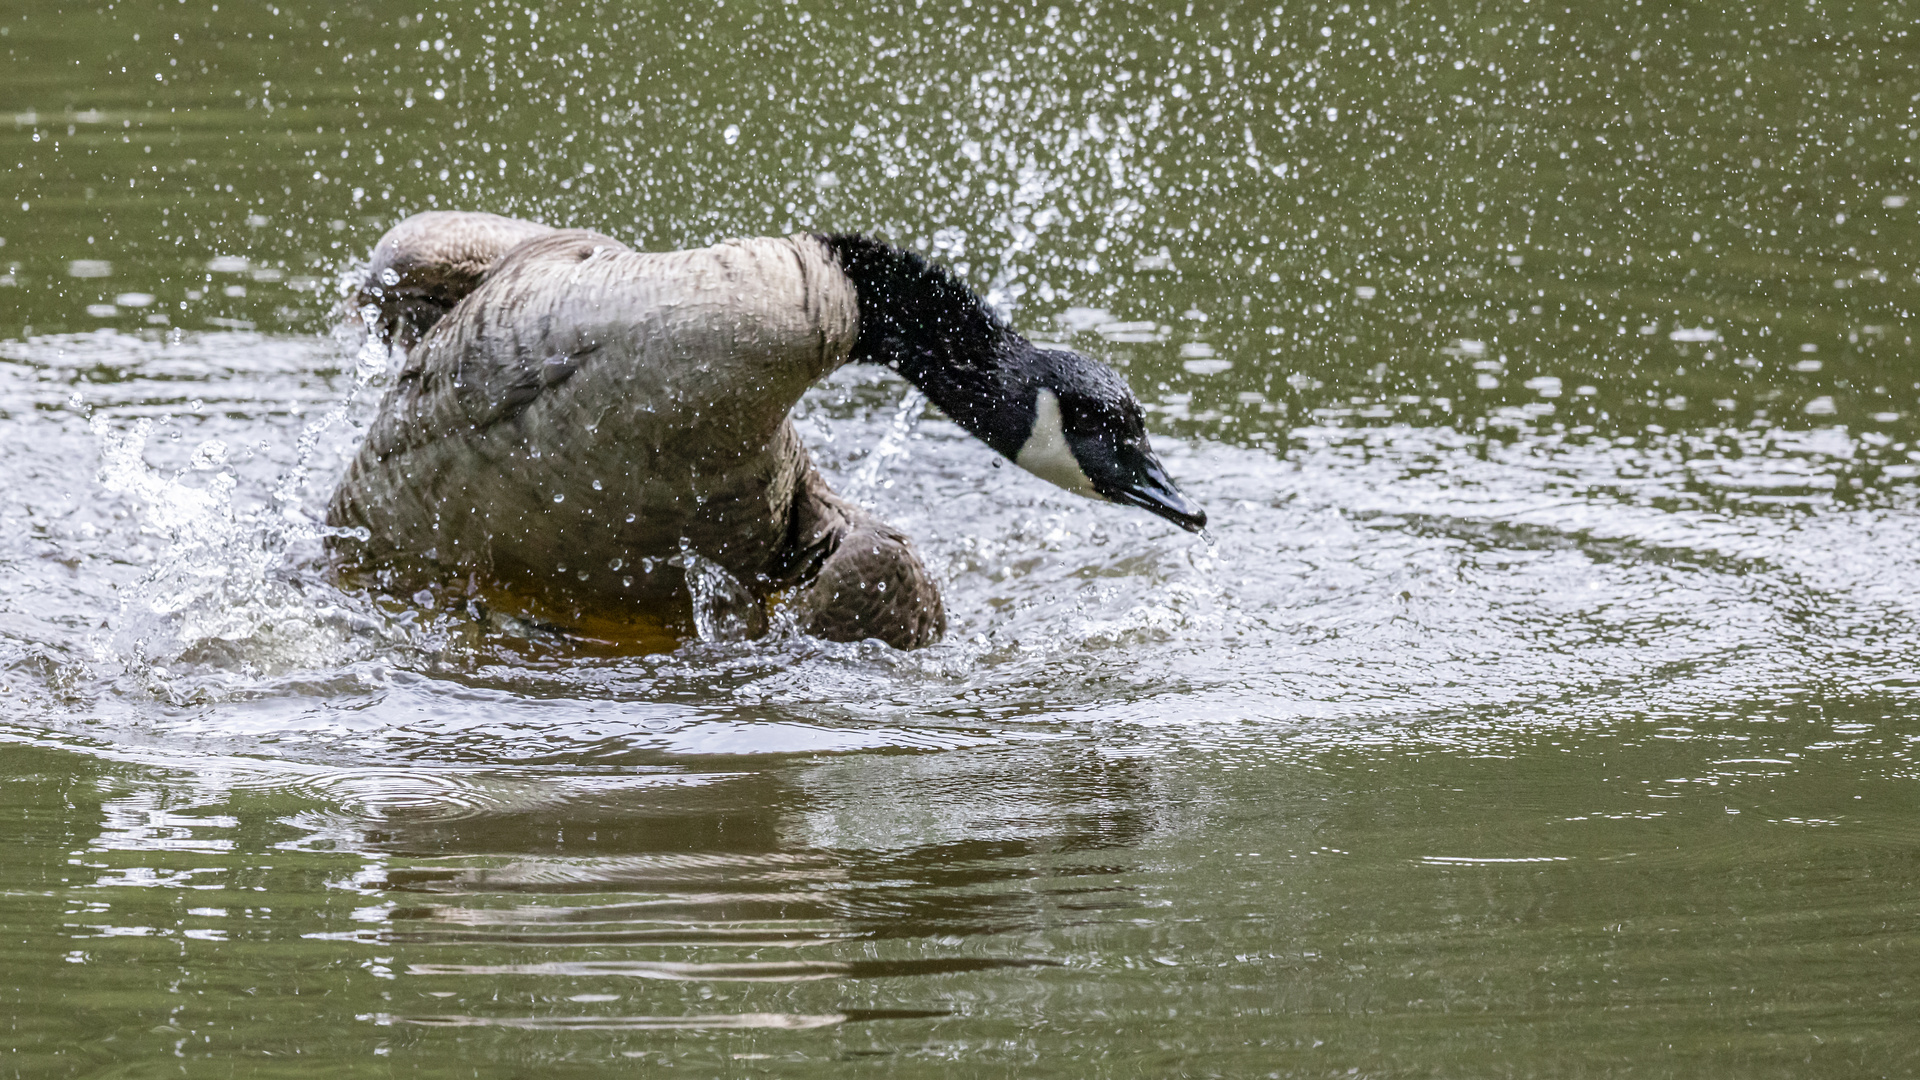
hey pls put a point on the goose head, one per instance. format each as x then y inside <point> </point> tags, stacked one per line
<point>1072,420</point>
<point>1059,414</point>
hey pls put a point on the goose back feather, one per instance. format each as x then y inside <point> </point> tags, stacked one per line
<point>586,409</point>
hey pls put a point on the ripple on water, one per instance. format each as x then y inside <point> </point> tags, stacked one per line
<point>1369,575</point>
<point>698,1022</point>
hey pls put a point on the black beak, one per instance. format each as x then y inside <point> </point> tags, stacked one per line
<point>1153,490</point>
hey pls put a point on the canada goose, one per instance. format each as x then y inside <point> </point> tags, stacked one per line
<point>573,414</point>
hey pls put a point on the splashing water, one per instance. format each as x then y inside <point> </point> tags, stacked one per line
<point>235,587</point>
<point>723,609</point>
<point>201,574</point>
<point>227,595</point>
<point>893,447</point>
<point>372,360</point>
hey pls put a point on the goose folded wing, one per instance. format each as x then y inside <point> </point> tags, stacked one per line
<point>426,264</point>
<point>729,336</point>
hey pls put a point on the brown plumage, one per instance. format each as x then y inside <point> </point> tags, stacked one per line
<point>572,414</point>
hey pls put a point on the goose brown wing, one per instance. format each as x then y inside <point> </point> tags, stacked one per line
<point>586,403</point>
<point>426,264</point>
<point>716,343</point>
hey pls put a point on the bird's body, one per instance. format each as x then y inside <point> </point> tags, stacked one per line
<point>572,415</point>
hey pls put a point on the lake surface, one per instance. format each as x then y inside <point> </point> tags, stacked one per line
<point>1543,703</point>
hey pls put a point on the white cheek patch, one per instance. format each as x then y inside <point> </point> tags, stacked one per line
<point>1046,453</point>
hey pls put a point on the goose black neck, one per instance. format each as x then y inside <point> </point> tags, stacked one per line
<point>918,318</point>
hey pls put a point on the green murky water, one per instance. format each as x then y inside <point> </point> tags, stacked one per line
<point>1545,706</point>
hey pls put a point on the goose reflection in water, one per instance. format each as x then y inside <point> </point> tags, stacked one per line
<point>770,876</point>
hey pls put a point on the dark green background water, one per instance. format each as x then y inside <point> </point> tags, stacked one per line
<point>1546,705</point>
